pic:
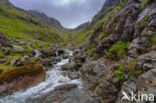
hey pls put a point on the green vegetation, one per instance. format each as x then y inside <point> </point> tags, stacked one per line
<point>123,2</point>
<point>144,21</point>
<point>118,50</point>
<point>2,54</point>
<point>14,72</point>
<point>131,65</point>
<point>145,3</point>
<point>119,74</point>
<point>122,65</point>
<point>153,39</point>
<point>19,24</point>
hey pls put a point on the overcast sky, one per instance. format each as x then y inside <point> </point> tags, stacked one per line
<point>70,13</point>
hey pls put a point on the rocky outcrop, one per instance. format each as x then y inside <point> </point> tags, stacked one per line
<point>99,77</point>
<point>136,30</point>
<point>46,19</point>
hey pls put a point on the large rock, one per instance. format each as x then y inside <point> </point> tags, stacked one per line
<point>23,77</point>
<point>73,75</point>
<point>69,66</point>
<point>65,87</point>
<point>99,77</point>
<point>4,41</point>
<point>147,61</point>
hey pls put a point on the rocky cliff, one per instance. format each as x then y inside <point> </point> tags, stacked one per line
<point>122,51</point>
<point>46,19</point>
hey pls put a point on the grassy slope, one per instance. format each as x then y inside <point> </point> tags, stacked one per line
<point>18,24</point>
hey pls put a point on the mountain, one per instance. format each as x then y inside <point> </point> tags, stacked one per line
<point>18,23</point>
<point>46,19</point>
<point>82,26</point>
<point>107,5</point>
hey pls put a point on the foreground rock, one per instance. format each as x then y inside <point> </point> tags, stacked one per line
<point>23,77</point>
<point>65,87</point>
<point>146,84</point>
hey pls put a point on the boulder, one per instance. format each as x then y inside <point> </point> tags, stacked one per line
<point>69,66</point>
<point>146,61</point>
<point>22,77</point>
<point>18,48</point>
<point>65,56</point>
<point>4,41</point>
<point>65,87</point>
<point>73,75</point>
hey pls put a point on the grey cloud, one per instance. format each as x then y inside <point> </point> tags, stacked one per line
<point>70,15</point>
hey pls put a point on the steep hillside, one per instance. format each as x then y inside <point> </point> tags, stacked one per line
<point>19,24</point>
<point>121,50</point>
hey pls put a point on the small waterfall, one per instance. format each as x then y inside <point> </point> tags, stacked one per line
<point>56,54</point>
<point>38,53</point>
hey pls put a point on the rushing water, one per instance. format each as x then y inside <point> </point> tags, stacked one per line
<point>54,77</point>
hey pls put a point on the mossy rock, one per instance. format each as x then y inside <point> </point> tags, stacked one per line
<point>16,72</point>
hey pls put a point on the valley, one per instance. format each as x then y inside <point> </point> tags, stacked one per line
<point>43,62</point>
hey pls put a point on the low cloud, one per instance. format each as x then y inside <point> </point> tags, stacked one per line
<point>70,13</point>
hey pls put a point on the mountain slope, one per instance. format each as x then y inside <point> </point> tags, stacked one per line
<point>19,24</point>
<point>120,51</point>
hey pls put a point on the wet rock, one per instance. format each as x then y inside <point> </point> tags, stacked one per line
<point>69,66</point>
<point>73,75</point>
<point>65,87</point>
<point>65,56</point>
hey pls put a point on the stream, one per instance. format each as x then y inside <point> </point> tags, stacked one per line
<point>44,91</point>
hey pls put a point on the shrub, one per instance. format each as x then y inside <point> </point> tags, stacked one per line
<point>131,65</point>
<point>118,50</point>
<point>122,65</point>
<point>153,39</point>
<point>144,21</point>
<point>119,74</point>
<point>123,2</point>
<point>2,54</point>
<point>145,2</point>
